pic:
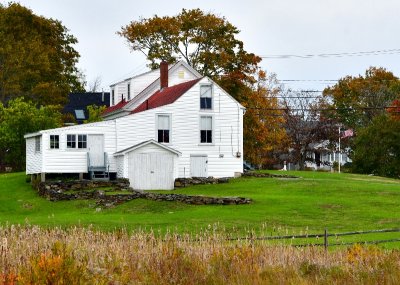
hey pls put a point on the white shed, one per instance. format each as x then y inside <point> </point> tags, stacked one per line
<point>148,165</point>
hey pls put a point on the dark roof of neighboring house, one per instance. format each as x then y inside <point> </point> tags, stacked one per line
<point>116,107</point>
<point>165,96</point>
<point>80,101</point>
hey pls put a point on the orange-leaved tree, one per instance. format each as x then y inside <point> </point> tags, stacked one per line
<point>210,45</point>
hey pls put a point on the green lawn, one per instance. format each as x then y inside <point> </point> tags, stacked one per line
<point>338,202</point>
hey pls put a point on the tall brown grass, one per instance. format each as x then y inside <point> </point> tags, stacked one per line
<point>34,255</point>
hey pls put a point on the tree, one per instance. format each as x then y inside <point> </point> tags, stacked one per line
<point>206,42</point>
<point>18,119</point>
<point>358,100</point>
<point>95,84</point>
<point>37,58</point>
<point>307,122</point>
<point>394,109</point>
<point>95,113</point>
<point>264,133</point>
<point>377,148</point>
<point>209,44</point>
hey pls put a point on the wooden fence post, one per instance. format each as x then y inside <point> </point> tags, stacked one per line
<point>326,239</point>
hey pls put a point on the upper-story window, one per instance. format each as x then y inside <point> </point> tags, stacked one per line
<point>206,97</point>
<point>112,97</point>
<point>54,141</point>
<point>163,128</point>
<point>206,129</point>
<point>129,91</point>
<point>37,144</point>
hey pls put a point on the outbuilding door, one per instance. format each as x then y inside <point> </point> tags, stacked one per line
<point>198,166</point>
<point>96,150</point>
<point>151,171</point>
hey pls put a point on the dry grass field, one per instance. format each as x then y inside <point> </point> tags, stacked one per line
<point>34,255</point>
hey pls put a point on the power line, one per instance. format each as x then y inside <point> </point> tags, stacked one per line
<point>327,55</point>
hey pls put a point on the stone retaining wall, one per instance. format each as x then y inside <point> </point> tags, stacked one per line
<point>74,190</point>
<point>183,182</point>
<point>267,175</point>
<point>111,200</point>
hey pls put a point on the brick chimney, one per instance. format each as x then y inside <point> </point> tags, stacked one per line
<point>163,74</point>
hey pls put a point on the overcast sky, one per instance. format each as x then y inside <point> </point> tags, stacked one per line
<point>270,27</point>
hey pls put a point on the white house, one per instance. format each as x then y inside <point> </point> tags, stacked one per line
<point>160,125</point>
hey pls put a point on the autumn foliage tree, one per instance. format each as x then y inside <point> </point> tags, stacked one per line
<point>37,57</point>
<point>357,100</point>
<point>210,45</point>
<point>205,41</point>
<point>264,131</point>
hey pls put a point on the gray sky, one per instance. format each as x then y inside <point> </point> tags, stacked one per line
<point>271,27</point>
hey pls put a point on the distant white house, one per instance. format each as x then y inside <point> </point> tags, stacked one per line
<point>160,125</point>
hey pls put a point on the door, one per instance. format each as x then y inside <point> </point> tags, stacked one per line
<point>96,150</point>
<point>151,171</point>
<point>198,166</point>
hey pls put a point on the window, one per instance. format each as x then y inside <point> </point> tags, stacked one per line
<point>71,141</point>
<point>82,141</point>
<point>181,74</point>
<point>112,97</point>
<point>129,91</point>
<point>37,144</point>
<point>54,141</point>
<point>205,97</point>
<point>163,127</point>
<point>206,129</point>
<point>79,114</point>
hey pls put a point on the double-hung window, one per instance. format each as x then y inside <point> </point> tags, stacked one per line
<point>82,141</point>
<point>71,141</point>
<point>76,141</point>
<point>37,144</point>
<point>206,129</point>
<point>54,141</point>
<point>206,97</point>
<point>163,128</point>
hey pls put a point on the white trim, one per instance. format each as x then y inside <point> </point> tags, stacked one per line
<point>142,144</point>
<point>31,135</point>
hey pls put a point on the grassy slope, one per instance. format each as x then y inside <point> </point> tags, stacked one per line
<point>339,202</point>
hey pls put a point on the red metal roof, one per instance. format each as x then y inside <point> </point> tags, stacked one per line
<point>116,107</point>
<point>166,96</point>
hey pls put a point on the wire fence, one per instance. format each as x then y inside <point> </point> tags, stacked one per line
<point>325,235</point>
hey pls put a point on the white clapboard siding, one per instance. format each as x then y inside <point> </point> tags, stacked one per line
<point>133,129</point>
<point>33,157</point>
<point>142,82</point>
<point>65,160</point>
<point>185,135</point>
<point>137,84</point>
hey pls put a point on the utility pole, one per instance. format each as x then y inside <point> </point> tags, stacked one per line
<point>340,155</point>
